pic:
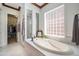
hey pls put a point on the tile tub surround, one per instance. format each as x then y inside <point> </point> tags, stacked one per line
<point>53,46</point>
<point>46,53</point>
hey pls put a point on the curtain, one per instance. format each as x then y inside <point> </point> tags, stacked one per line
<point>75,36</point>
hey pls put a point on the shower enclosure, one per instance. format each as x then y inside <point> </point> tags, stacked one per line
<point>29,24</point>
<point>32,23</point>
<point>37,21</point>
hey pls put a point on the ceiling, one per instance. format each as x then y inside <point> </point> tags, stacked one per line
<point>40,5</point>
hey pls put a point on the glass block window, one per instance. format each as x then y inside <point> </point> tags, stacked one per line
<point>54,22</point>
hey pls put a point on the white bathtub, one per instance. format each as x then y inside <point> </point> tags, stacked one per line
<point>53,46</point>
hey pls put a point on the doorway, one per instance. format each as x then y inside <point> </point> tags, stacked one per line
<point>11,27</point>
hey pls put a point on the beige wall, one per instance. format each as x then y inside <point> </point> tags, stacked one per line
<point>12,20</point>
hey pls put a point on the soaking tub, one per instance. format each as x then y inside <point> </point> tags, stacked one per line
<point>53,46</point>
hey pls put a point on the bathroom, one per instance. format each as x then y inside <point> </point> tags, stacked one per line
<point>37,24</point>
<point>43,29</point>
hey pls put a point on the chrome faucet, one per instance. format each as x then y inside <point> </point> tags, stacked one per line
<point>32,38</point>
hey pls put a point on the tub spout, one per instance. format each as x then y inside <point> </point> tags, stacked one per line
<point>32,39</point>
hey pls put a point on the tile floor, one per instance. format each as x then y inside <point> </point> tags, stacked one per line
<point>17,49</point>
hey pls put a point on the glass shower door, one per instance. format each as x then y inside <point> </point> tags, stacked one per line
<point>29,24</point>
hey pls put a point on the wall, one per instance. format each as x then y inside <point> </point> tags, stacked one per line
<point>0,5</point>
<point>43,10</point>
<point>34,11</point>
<point>12,20</point>
<point>0,26</point>
<point>70,10</point>
<point>21,17</point>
